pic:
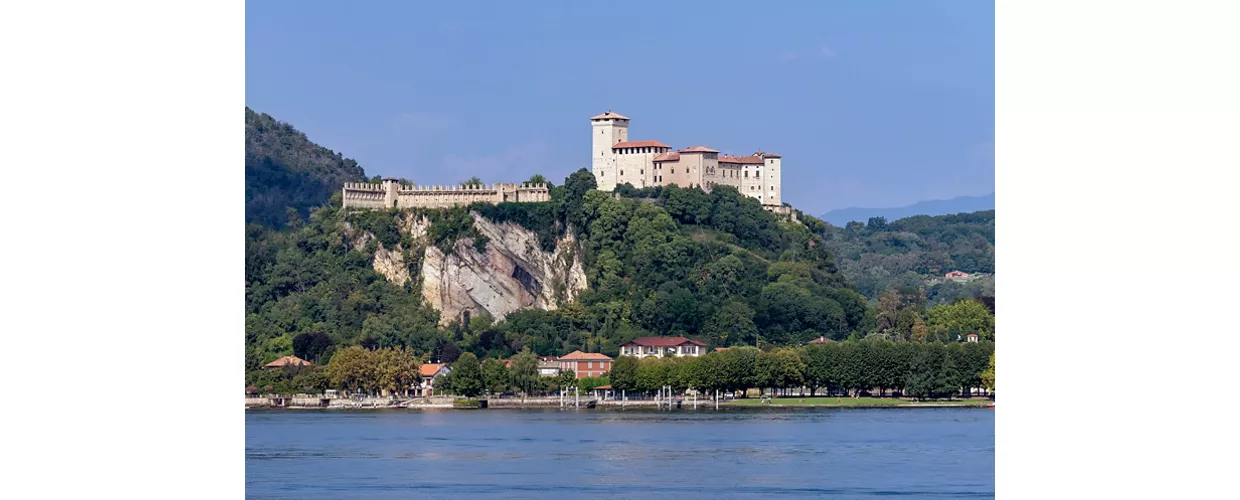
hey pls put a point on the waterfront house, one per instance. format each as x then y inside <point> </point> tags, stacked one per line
<point>659,347</point>
<point>585,364</point>
<point>286,361</point>
<point>431,372</point>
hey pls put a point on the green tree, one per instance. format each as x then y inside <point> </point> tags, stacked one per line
<point>816,358</point>
<point>353,368</point>
<point>396,370</point>
<point>495,376</point>
<point>965,316</point>
<point>733,324</point>
<point>624,373</point>
<point>565,379</point>
<point>472,181</point>
<point>525,371</point>
<point>467,376</point>
<point>537,179</point>
<point>779,369</point>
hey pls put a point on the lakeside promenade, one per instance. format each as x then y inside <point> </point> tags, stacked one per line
<point>307,402</point>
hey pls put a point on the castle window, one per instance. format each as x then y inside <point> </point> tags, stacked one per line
<point>621,172</point>
<point>673,170</point>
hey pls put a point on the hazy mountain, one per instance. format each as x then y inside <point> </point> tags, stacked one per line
<point>960,204</point>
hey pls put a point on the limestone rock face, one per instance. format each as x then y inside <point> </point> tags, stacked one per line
<point>513,273</point>
<point>391,264</point>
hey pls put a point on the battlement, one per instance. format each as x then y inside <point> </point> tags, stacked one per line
<point>391,194</point>
<point>363,186</point>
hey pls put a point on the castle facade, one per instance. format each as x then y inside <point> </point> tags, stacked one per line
<point>616,161</point>
<point>391,194</point>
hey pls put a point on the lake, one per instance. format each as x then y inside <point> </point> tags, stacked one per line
<point>750,453</point>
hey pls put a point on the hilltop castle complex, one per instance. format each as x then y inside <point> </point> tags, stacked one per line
<point>616,161</point>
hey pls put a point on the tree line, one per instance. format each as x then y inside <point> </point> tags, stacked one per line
<point>929,370</point>
<point>919,370</point>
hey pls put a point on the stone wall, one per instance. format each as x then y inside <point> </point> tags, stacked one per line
<point>390,194</point>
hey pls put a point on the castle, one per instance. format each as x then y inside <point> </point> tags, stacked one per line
<point>617,161</point>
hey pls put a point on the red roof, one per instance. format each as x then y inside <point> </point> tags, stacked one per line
<point>668,157</point>
<point>578,355</point>
<point>287,360</point>
<point>640,144</point>
<point>662,342</point>
<point>608,386</point>
<point>749,160</point>
<point>609,114</point>
<point>429,369</point>
<point>698,149</point>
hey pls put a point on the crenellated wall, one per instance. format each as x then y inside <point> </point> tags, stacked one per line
<point>364,195</point>
<point>392,194</point>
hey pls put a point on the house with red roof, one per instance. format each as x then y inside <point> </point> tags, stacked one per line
<point>585,364</point>
<point>431,372</point>
<point>661,347</point>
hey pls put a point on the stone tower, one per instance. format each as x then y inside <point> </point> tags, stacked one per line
<point>391,186</point>
<point>771,194</point>
<point>608,129</point>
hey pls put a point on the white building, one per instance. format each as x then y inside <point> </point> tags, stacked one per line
<point>615,160</point>
<point>661,347</point>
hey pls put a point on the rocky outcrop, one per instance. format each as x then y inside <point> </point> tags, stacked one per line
<point>512,273</point>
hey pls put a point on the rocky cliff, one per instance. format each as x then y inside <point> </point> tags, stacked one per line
<point>512,273</point>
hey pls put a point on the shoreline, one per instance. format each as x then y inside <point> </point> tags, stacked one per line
<point>300,404</point>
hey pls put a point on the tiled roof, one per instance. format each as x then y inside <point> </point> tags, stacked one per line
<point>698,149</point>
<point>609,114</point>
<point>640,144</point>
<point>662,342</point>
<point>748,160</point>
<point>668,157</point>
<point>762,154</point>
<point>288,360</point>
<point>429,369</point>
<point>576,355</point>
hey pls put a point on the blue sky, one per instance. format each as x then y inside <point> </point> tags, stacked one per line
<point>872,104</point>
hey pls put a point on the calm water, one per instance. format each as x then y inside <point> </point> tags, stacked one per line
<point>835,452</point>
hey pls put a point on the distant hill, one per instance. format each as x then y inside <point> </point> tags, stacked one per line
<point>284,169</point>
<point>961,204</point>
